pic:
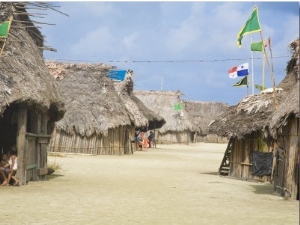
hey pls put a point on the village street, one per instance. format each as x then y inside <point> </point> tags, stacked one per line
<point>172,184</point>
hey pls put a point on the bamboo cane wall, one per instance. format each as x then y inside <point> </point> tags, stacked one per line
<point>286,175</point>
<point>174,138</point>
<point>241,157</point>
<point>212,138</point>
<point>116,142</point>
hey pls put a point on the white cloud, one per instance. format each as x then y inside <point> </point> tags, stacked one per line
<point>94,43</point>
<point>129,41</point>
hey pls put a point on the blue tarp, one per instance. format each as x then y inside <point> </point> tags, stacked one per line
<point>116,74</point>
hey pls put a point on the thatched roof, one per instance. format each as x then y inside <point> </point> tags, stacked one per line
<point>257,112</point>
<point>162,103</point>
<point>292,69</point>
<point>142,115</point>
<point>290,105</point>
<point>202,113</point>
<point>251,114</point>
<point>95,103</point>
<point>23,74</point>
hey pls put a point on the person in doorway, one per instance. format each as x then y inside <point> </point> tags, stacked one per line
<point>4,169</point>
<point>151,139</point>
<point>138,139</point>
<point>13,163</point>
<point>145,141</point>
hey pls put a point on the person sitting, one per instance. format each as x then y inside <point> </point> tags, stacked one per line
<point>13,163</point>
<point>4,169</point>
<point>139,143</point>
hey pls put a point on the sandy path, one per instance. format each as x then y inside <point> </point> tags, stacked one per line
<point>168,185</point>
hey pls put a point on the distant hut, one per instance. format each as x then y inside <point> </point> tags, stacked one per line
<point>284,127</point>
<point>202,113</point>
<point>178,127</point>
<point>29,100</point>
<point>144,118</point>
<point>101,116</point>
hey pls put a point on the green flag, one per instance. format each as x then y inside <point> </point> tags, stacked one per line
<point>242,82</point>
<point>257,46</point>
<point>178,106</point>
<point>4,29</point>
<point>252,25</point>
<point>259,87</point>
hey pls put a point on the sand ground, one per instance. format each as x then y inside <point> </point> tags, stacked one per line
<point>172,184</point>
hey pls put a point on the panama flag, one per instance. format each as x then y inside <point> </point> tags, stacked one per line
<point>239,71</point>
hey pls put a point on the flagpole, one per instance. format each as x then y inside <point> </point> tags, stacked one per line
<point>271,72</point>
<point>252,72</point>
<point>263,72</point>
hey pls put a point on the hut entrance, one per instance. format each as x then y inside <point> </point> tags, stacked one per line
<point>24,128</point>
<point>8,129</point>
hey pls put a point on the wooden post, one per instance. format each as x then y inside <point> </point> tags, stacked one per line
<point>21,142</point>
<point>291,179</point>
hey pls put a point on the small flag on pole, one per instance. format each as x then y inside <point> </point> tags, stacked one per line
<point>178,107</point>
<point>242,82</point>
<point>116,74</point>
<point>258,46</point>
<point>4,29</point>
<point>252,25</point>
<point>239,71</point>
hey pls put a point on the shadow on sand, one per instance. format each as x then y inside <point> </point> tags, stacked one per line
<point>211,173</point>
<point>52,176</point>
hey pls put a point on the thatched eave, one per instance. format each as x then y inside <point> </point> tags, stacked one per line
<point>23,74</point>
<point>252,113</point>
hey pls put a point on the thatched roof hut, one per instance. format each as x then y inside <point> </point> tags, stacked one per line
<point>261,130</point>
<point>97,109</point>
<point>29,100</point>
<point>178,128</point>
<point>202,113</point>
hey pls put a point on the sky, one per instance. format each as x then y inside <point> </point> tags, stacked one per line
<point>170,46</point>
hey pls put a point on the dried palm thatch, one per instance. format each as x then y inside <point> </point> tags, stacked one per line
<point>93,105</point>
<point>163,102</point>
<point>292,69</point>
<point>143,117</point>
<point>202,113</point>
<point>23,74</point>
<point>253,113</point>
<point>290,105</point>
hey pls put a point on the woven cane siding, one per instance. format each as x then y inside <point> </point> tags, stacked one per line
<point>241,156</point>
<point>116,142</point>
<point>286,175</point>
<point>174,138</point>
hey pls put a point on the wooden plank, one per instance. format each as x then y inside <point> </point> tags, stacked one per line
<point>37,135</point>
<point>31,166</point>
<point>21,142</point>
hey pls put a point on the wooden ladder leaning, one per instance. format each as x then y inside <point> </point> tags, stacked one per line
<point>224,167</point>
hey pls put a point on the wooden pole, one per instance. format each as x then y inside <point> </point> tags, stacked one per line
<point>271,72</point>
<point>21,142</point>
<point>263,72</point>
